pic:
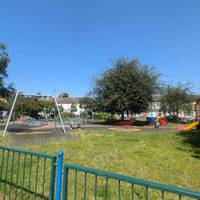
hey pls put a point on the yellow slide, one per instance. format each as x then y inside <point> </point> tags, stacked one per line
<point>191,126</point>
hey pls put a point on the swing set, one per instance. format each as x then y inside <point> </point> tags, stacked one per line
<point>34,123</point>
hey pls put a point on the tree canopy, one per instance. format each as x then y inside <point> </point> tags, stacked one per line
<point>64,95</point>
<point>128,86</point>
<point>5,92</point>
<point>4,60</point>
<point>88,104</point>
<point>176,98</point>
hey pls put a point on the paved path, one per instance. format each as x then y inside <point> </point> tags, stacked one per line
<point>40,137</point>
<point>22,135</point>
<point>129,128</point>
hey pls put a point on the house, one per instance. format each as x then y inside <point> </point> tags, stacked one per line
<point>70,105</point>
<point>197,109</point>
<point>155,109</point>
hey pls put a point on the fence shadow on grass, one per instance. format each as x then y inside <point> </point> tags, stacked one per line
<point>23,189</point>
<point>193,138</point>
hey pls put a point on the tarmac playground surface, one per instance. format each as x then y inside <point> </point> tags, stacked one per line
<point>20,135</point>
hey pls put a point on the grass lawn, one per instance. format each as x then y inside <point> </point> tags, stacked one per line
<point>165,157</point>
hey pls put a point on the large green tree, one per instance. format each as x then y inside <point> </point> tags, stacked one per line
<point>5,92</point>
<point>176,98</point>
<point>89,106</point>
<point>4,60</point>
<point>64,95</point>
<point>128,86</point>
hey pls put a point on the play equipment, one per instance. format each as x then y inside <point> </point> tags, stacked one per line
<point>155,120</point>
<point>124,123</point>
<point>163,121</point>
<point>33,122</point>
<point>76,123</point>
<point>194,124</point>
<point>151,120</point>
<point>124,129</point>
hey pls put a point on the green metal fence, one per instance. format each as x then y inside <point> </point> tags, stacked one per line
<point>85,183</point>
<point>26,174</point>
<point>33,175</point>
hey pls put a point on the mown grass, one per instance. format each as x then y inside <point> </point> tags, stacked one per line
<point>165,157</point>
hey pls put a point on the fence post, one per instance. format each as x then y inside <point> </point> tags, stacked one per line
<point>52,179</point>
<point>65,185</point>
<point>59,175</point>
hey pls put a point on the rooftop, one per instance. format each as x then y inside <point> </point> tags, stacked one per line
<point>70,100</point>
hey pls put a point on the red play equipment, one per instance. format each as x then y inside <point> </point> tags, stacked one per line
<point>195,123</point>
<point>163,121</point>
<point>124,122</point>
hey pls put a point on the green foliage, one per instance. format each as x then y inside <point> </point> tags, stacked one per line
<point>32,106</point>
<point>86,115</point>
<point>47,105</point>
<point>127,87</point>
<point>90,109</point>
<point>64,95</point>
<point>102,116</point>
<point>96,116</point>
<point>4,105</point>
<point>87,103</point>
<point>176,98</point>
<point>89,106</point>
<point>5,92</point>
<point>4,60</point>
<point>67,115</point>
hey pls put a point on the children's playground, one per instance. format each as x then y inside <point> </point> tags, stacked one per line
<point>195,123</point>
<point>153,164</point>
<point>157,160</point>
<point>27,131</point>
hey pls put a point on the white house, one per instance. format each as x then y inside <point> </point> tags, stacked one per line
<point>70,103</point>
<point>154,107</point>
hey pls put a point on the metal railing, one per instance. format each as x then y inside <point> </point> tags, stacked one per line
<point>26,174</point>
<point>85,183</point>
<point>34,175</point>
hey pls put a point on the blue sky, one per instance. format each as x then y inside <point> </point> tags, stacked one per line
<point>63,44</point>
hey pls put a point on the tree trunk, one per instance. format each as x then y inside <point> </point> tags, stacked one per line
<point>177,112</point>
<point>127,114</point>
<point>122,115</point>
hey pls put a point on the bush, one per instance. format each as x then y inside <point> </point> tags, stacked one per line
<point>86,115</point>
<point>67,115</point>
<point>103,116</point>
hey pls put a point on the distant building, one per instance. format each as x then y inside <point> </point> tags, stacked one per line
<point>3,114</point>
<point>197,109</point>
<point>70,104</point>
<point>155,109</point>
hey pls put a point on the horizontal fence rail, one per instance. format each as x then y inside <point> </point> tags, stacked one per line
<point>26,174</point>
<point>85,183</point>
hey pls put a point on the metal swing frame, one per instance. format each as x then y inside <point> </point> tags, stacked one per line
<point>32,95</point>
